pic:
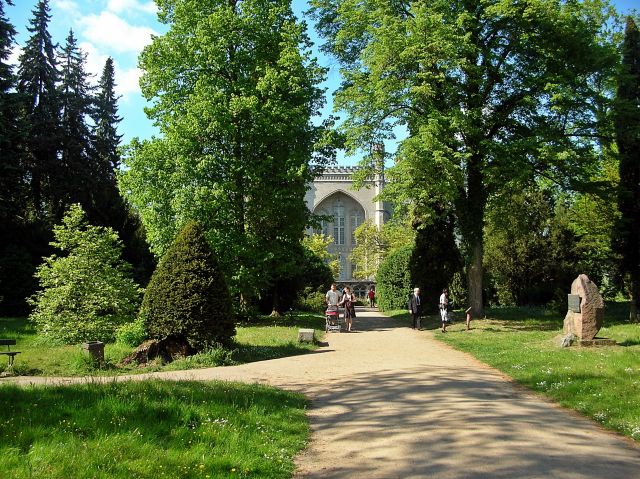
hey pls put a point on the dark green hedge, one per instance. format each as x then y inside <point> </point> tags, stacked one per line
<point>393,281</point>
<point>187,297</point>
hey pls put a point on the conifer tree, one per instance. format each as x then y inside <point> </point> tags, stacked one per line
<point>75,102</point>
<point>11,168</point>
<point>106,119</point>
<point>37,79</point>
<point>627,235</point>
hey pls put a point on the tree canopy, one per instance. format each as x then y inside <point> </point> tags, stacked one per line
<point>493,94</point>
<point>233,90</point>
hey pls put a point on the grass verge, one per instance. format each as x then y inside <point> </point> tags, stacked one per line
<point>600,382</point>
<point>150,429</point>
<point>267,338</point>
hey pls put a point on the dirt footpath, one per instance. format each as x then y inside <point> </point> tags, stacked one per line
<point>390,402</point>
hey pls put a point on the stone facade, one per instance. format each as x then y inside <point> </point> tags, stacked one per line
<point>332,194</point>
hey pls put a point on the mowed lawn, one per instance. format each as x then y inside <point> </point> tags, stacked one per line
<point>150,429</point>
<point>266,338</point>
<point>600,382</point>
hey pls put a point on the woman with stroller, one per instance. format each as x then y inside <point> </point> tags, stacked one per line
<point>348,303</point>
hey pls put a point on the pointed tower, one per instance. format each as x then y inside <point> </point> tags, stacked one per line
<point>378,183</point>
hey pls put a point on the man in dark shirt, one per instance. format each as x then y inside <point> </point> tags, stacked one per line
<point>415,308</point>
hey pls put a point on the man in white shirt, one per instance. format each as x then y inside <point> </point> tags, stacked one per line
<point>333,296</point>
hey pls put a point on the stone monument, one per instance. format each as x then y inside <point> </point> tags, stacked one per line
<point>586,312</point>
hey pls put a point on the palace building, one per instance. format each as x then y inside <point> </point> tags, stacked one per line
<point>332,194</point>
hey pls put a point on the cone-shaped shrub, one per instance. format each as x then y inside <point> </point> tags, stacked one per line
<point>187,297</point>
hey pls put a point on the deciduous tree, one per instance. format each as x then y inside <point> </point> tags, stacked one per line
<point>493,94</point>
<point>233,88</point>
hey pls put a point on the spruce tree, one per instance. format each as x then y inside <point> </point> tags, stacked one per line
<point>37,79</point>
<point>627,122</point>
<point>109,207</point>
<point>106,119</point>
<point>11,169</point>
<point>75,102</point>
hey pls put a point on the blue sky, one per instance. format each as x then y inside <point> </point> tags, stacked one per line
<point>120,29</point>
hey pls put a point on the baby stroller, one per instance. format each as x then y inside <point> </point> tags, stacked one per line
<point>332,318</point>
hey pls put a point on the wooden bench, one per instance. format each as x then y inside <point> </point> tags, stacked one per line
<point>12,354</point>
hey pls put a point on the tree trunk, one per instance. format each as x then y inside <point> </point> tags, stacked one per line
<point>633,305</point>
<point>275,305</point>
<point>474,277</point>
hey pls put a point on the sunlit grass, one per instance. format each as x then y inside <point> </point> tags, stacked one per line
<point>150,429</point>
<point>600,382</point>
<point>267,338</point>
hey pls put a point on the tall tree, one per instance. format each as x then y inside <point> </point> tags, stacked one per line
<point>12,175</point>
<point>37,79</point>
<point>627,122</point>
<point>106,120</point>
<point>109,208</point>
<point>234,89</point>
<point>493,93</point>
<point>76,102</point>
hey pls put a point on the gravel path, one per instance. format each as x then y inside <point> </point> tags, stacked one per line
<point>390,402</point>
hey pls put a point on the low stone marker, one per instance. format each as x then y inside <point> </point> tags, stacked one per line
<point>585,313</point>
<point>95,350</point>
<point>305,335</point>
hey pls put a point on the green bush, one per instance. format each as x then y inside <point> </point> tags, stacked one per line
<point>87,293</point>
<point>187,297</point>
<point>394,280</point>
<point>312,301</point>
<point>131,334</point>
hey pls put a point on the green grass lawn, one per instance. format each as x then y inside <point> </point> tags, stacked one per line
<point>600,382</point>
<point>150,429</point>
<point>268,338</point>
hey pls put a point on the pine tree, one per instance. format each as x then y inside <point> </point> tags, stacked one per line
<point>11,168</point>
<point>106,119</point>
<point>627,238</point>
<point>109,207</point>
<point>76,102</point>
<point>37,79</point>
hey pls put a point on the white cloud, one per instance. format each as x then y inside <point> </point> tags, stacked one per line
<point>14,56</point>
<point>127,81</point>
<point>66,5</point>
<point>118,6</point>
<point>111,31</point>
<point>95,60</point>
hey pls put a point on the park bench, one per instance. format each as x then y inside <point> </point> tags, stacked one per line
<point>12,354</point>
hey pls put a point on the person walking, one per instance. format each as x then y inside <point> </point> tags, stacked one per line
<point>415,308</point>
<point>372,298</point>
<point>348,302</point>
<point>444,308</point>
<point>333,296</point>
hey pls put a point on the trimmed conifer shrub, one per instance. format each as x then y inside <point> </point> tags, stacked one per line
<point>393,280</point>
<point>187,297</point>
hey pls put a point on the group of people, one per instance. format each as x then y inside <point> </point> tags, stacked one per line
<point>415,310</point>
<point>347,300</point>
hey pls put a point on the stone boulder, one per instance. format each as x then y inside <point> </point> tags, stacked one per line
<point>585,324</point>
